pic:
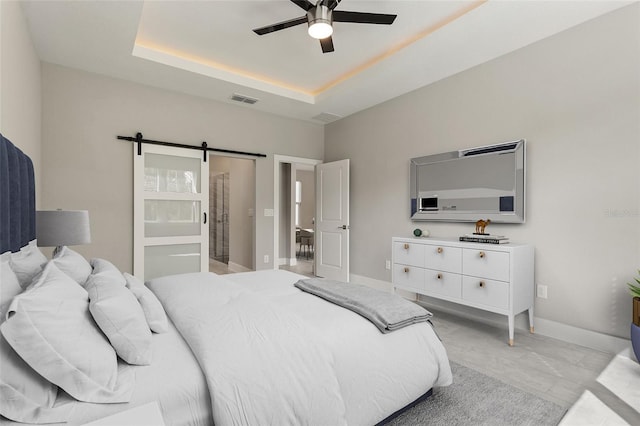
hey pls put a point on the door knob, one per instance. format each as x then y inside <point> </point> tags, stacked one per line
<point>343,227</point>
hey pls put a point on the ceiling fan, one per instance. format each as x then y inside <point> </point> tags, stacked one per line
<point>320,18</point>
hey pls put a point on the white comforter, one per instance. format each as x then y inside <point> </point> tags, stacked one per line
<point>272,354</point>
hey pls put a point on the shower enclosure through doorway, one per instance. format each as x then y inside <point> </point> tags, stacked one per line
<point>219,207</point>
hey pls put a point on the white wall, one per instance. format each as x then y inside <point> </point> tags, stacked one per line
<point>20,94</point>
<point>87,168</point>
<point>576,98</point>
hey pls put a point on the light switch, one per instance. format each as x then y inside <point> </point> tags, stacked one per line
<point>268,212</point>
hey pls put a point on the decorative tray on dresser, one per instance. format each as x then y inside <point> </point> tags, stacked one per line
<point>492,277</point>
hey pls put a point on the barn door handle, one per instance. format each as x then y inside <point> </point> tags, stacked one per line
<point>205,218</point>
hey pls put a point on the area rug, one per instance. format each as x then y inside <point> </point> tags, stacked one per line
<point>477,399</point>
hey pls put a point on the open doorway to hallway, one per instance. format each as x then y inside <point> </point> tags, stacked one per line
<point>231,213</point>
<point>297,221</point>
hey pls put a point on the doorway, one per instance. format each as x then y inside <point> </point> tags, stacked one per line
<point>294,199</point>
<point>231,212</point>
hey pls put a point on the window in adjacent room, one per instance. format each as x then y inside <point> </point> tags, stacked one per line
<point>298,201</point>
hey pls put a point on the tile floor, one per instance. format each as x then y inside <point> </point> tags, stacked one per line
<point>551,369</point>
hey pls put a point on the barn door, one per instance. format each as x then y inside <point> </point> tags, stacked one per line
<point>171,199</point>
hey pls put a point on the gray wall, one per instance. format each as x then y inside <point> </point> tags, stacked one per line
<point>284,227</point>
<point>87,168</point>
<point>242,212</point>
<point>20,92</point>
<point>308,203</point>
<point>576,98</point>
<point>242,190</point>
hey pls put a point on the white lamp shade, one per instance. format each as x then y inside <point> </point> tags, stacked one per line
<point>62,227</point>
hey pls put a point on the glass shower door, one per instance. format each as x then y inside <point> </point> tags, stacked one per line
<point>220,209</point>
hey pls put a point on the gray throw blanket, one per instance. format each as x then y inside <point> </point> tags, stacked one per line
<point>387,311</point>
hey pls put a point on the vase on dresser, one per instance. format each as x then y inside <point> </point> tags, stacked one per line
<point>635,328</point>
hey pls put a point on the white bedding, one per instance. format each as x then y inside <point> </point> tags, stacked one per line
<point>173,379</point>
<point>322,365</point>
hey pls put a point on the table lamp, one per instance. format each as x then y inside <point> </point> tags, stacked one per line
<point>57,228</point>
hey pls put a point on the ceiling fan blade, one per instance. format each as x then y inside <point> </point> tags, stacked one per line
<point>326,44</point>
<point>331,4</point>
<point>281,25</point>
<point>304,4</point>
<point>363,17</point>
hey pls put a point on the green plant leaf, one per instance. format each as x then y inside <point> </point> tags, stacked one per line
<point>635,289</point>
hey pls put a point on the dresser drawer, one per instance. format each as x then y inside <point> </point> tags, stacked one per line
<point>485,292</point>
<point>443,258</point>
<point>440,283</point>
<point>408,253</point>
<point>486,264</point>
<point>407,276</point>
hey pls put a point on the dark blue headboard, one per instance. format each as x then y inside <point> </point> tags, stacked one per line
<point>17,198</point>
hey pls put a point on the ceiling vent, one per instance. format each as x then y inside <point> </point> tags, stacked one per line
<point>326,117</point>
<point>244,99</point>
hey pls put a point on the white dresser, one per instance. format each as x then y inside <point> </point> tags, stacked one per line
<point>492,277</point>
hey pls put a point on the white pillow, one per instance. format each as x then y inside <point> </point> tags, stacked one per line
<point>27,263</point>
<point>102,266</point>
<point>50,327</point>
<point>25,396</point>
<point>120,317</point>
<point>9,284</point>
<point>72,264</point>
<point>151,306</point>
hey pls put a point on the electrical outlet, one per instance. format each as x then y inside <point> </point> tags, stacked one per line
<point>266,258</point>
<point>387,264</point>
<point>542,291</point>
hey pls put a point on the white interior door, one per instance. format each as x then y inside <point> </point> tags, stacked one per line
<point>332,220</point>
<point>171,199</point>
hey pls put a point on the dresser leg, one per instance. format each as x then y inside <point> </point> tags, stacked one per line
<point>531,320</point>
<point>511,329</point>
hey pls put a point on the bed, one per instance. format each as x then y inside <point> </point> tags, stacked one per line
<point>247,348</point>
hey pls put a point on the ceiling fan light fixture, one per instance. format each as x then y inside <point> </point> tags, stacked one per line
<point>320,22</point>
<point>320,30</point>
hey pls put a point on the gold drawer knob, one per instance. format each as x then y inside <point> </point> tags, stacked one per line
<point>481,284</point>
<point>439,276</point>
<point>406,269</point>
<point>440,249</point>
<point>482,255</point>
<point>406,246</point>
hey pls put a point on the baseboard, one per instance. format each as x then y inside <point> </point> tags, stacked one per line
<point>567,333</point>
<point>580,336</point>
<point>236,267</point>
<point>288,262</point>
